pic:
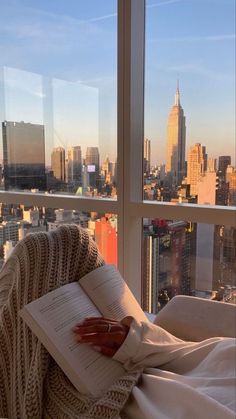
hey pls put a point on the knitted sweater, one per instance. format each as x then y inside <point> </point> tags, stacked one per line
<point>31,383</point>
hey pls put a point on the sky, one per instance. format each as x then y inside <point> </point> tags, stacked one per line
<point>58,66</point>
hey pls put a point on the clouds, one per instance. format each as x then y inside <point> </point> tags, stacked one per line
<point>114,15</point>
<point>56,44</point>
<point>149,6</point>
<point>100,18</point>
<point>162,3</point>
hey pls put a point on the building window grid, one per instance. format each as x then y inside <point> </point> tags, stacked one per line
<point>129,202</point>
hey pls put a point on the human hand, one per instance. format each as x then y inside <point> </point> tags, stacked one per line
<point>104,335</point>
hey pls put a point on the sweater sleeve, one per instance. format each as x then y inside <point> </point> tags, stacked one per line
<point>148,345</point>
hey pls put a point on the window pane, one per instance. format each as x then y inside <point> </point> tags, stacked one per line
<point>186,258</point>
<point>58,96</point>
<point>16,221</point>
<point>189,145</point>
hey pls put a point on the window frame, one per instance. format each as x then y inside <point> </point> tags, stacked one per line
<point>129,206</point>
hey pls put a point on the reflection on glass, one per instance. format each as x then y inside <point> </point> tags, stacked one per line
<point>23,156</point>
<point>58,102</point>
<point>189,259</point>
<point>70,113</point>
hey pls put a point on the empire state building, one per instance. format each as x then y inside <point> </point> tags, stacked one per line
<point>176,133</point>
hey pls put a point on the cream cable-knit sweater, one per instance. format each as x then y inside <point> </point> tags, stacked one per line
<point>31,384</point>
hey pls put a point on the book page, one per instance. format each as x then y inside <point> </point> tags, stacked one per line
<point>109,292</point>
<point>52,318</point>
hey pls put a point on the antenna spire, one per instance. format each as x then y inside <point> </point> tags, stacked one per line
<point>177,95</point>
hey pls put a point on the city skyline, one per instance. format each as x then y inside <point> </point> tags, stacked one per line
<point>220,162</point>
<point>105,155</point>
<point>201,56</point>
<point>72,171</point>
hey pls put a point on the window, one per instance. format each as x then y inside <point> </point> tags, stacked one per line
<point>190,74</point>
<point>65,94</point>
<point>58,88</point>
<point>188,151</point>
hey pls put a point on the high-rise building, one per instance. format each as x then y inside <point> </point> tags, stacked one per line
<point>197,165</point>
<point>92,164</point>
<point>224,257</point>
<point>106,239</point>
<point>92,156</point>
<point>207,187</point>
<point>166,262</point>
<point>147,155</point>
<point>176,133</point>
<point>222,193</point>
<point>151,272</point>
<point>7,249</point>
<point>231,180</point>
<point>85,179</point>
<point>74,165</point>
<point>9,230</point>
<point>58,163</point>
<point>32,216</point>
<point>211,164</point>
<point>224,161</point>
<point>64,215</point>
<point>106,171</point>
<point>23,155</point>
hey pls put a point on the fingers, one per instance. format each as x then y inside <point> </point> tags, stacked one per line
<point>102,338</point>
<point>103,334</point>
<point>97,320</point>
<point>96,324</point>
<point>96,328</point>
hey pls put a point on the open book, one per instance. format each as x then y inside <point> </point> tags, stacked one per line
<point>52,317</point>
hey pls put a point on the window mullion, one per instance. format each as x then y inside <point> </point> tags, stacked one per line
<point>60,201</point>
<point>131,25</point>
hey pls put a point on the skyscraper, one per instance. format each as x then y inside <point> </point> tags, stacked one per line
<point>224,161</point>
<point>231,180</point>
<point>197,165</point>
<point>74,165</point>
<point>147,155</point>
<point>92,156</point>
<point>207,187</point>
<point>211,164</point>
<point>92,163</point>
<point>23,155</point>
<point>106,239</point>
<point>205,234</point>
<point>166,262</point>
<point>106,171</point>
<point>58,163</point>
<point>176,134</point>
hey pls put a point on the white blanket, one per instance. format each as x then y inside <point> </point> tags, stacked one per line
<point>181,379</point>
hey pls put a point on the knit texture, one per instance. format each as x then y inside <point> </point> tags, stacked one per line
<point>32,385</point>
